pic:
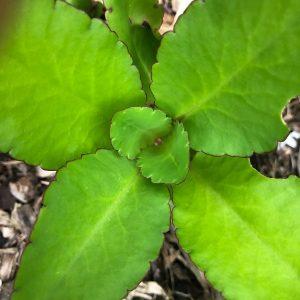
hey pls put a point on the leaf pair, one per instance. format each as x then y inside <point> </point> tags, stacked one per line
<point>147,134</point>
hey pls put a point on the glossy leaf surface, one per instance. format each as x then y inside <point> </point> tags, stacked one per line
<point>102,224</point>
<point>241,228</point>
<point>125,18</point>
<point>62,78</point>
<point>136,128</point>
<point>227,72</point>
<point>167,162</point>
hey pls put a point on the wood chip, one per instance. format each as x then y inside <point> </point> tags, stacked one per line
<point>22,190</point>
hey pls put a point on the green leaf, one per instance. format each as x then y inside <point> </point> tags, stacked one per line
<point>124,17</point>
<point>227,72</point>
<point>241,228</point>
<point>137,11</point>
<point>167,162</point>
<point>136,128</point>
<point>92,8</point>
<point>146,11</point>
<point>101,226</point>
<point>81,4</point>
<point>62,78</point>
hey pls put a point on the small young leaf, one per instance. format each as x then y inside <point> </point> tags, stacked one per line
<point>125,17</point>
<point>167,162</point>
<point>62,78</point>
<point>227,72</point>
<point>136,128</point>
<point>137,12</point>
<point>93,8</point>
<point>146,11</point>
<point>102,224</point>
<point>241,228</point>
<point>80,4</point>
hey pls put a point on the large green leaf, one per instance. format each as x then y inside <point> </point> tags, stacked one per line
<point>243,229</point>
<point>62,78</point>
<point>136,128</point>
<point>101,226</point>
<point>124,17</point>
<point>227,72</point>
<point>168,161</point>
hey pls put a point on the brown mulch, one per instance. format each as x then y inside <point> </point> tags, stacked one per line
<point>21,190</point>
<point>285,160</point>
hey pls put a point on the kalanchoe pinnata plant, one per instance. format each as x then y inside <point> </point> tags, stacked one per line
<point>71,98</point>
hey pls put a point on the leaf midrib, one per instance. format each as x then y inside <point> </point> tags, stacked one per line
<point>99,226</point>
<point>197,107</point>
<point>248,225</point>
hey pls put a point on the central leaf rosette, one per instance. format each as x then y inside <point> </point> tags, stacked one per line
<point>160,145</point>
